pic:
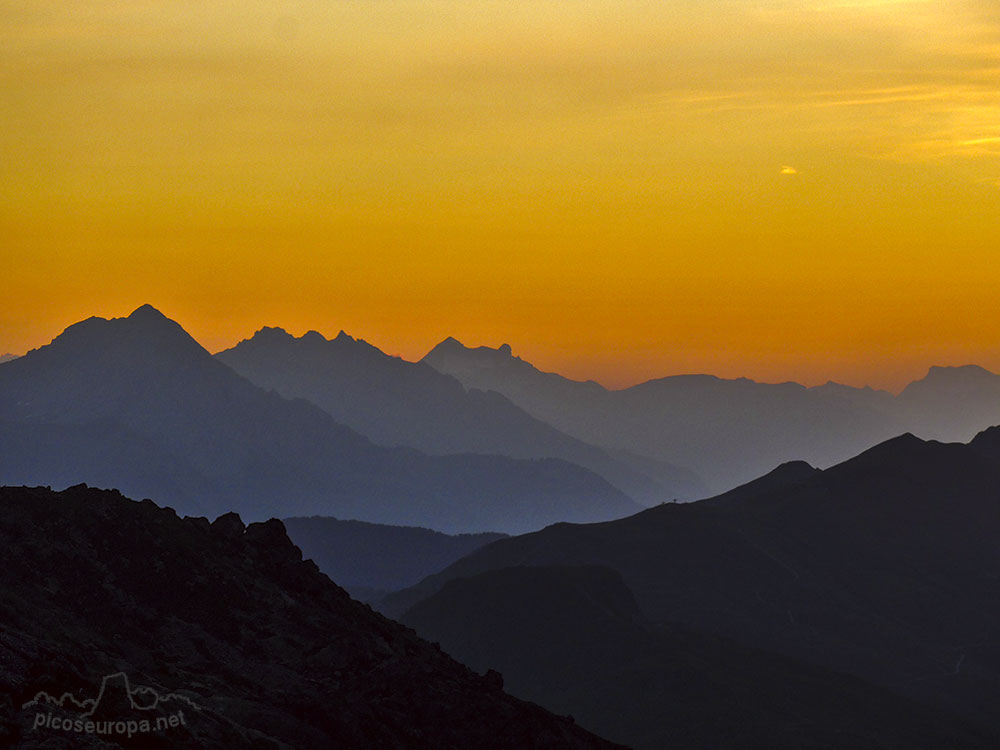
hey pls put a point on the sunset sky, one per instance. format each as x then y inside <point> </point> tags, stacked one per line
<point>620,189</point>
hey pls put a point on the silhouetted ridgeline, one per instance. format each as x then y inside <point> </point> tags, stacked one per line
<point>395,402</point>
<point>136,403</point>
<point>885,567</point>
<point>730,431</point>
<point>265,651</point>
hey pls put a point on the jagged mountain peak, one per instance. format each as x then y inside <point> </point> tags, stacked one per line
<point>311,340</point>
<point>146,337</point>
<point>397,402</point>
<point>939,370</point>
<point>277,336</point>
<point>453,351</point>
<point>450,345</point>
<point>147,312</point>
<point>947,376</point>
<point>271,332</point>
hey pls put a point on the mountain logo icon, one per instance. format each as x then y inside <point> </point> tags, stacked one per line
<point>120,708</point>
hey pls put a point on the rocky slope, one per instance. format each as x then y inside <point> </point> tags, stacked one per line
<point>260,649</point>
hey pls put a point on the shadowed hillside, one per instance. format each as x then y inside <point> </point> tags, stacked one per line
<point>263,649</point>
<point>885,566</point>
<point>574,640</point>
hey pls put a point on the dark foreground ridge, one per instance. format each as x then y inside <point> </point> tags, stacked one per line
<point>884,569</point>
<point>573,640</point>
<point>227,624</point>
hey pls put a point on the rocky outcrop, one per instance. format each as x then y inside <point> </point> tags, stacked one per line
<point>261,649</point>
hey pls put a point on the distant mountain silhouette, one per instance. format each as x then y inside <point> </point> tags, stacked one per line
<point>884,566</point>
<point>395,402</point>
<point>574,640</point>
<point>7,357</point>
<point>370,560</point>
<point>729,431</point>
<point>951,403</point>
<point>136,403</point>
<point>231,620</point>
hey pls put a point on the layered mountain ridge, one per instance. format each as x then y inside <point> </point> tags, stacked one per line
<point>136,403</point>
<point>730,431</point>
<point>395,402</point>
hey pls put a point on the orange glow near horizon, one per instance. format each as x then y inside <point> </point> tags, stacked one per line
<point>620,189</point>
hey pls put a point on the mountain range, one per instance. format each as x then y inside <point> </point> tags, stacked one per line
<point>731,431</point>
<point>885,567</point>
<point>137,404</point>
<point>852,605</point>
<point>395,402</point>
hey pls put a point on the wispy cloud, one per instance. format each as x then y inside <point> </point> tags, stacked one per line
<point>909,122</point>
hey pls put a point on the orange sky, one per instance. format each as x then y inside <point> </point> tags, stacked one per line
<point>621,189</point>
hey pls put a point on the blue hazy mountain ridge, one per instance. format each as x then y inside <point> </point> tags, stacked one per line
<point>951,403</point>
<point>730,431</point>
<point>884,567</point>
<point>370,560</point>
<point>395,402</point>
<point>136,403</point>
